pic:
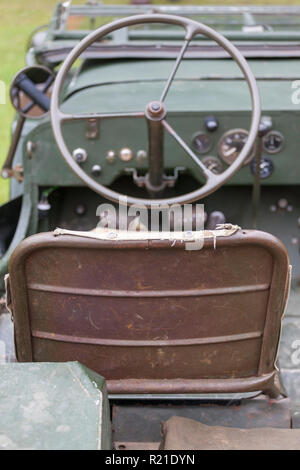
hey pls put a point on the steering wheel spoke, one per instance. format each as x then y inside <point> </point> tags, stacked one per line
<point>86,116</point>
<point>175,68</point>
<point>190,31</point>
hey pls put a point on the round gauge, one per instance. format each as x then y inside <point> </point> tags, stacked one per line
<point>231,144</point>
<point>201,142</point>
<point>213,164</point>
<point>266,168</point>
<point>273,142</point>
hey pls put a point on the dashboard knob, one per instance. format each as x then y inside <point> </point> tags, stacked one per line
<point>111,156</point>
<point>43,208</point>
<point>211,123</point>
<point>141,156</point>
<point>96,170</point>
<point>79,155</point>
<point>126,154</point>
<point>265,125</point>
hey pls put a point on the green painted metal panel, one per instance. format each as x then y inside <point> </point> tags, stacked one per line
<point>140,70</point>
<point>53,406</point>
<point>130,85</point>
<point>188,104</point>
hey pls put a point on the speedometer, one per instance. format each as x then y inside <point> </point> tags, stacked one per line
<point>231,144</point>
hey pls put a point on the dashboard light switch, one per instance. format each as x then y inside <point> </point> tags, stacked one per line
<point>96,170</point>
<point>79,155</point>
<point>211,123</point>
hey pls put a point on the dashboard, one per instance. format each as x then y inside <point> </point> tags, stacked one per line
<point>108,149</point>
<point>212,117</point>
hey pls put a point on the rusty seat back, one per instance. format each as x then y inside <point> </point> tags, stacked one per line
<point>151,316</point>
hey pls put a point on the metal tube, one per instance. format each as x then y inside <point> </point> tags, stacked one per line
<point>256,184</point>
<point>156,159</point>
<point>7,167</point>
<point>174,70</point>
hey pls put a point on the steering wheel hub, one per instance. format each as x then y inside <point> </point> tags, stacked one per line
<point>155,111</point>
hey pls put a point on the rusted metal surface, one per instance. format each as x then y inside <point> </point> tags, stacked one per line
<point>151,317</point>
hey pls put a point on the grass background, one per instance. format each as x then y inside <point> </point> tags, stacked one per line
<point>17,20</point>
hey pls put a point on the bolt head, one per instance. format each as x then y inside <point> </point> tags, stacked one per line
<point>155,106</point>
<point>155,110</point>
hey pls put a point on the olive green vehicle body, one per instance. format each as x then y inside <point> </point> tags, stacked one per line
<point>207,83</point>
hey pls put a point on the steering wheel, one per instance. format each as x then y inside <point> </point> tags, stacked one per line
<point>156,115</point>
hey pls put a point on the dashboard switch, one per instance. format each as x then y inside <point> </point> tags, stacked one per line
<point>141,156</point>
<point>126,154</point>
<point>265,125</point>
<point>79,155</point>
<point>211,123</point>
<point>96,170</point>
<point>111,156</point>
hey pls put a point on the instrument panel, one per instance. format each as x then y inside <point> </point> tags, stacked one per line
<point>230,144</point>
<point>120,147</point>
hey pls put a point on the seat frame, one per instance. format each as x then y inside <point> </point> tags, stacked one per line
<point>265,380</point>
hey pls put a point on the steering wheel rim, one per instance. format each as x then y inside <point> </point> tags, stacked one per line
<point>192,28</point>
